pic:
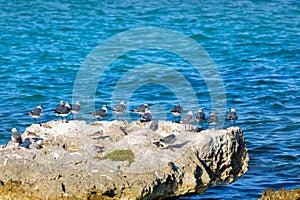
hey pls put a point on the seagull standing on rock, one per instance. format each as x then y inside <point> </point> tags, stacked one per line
<point>140,109</point>
<point>36,113</point>
<point>188,118</point>
<point>99,114</point>
<point>120,108</point>
<point>213,119</point>
<point>16,137</point>
<point>232,116</point>
<point>59,108</point>
<point>63,110</point>
<point>147,117</point>
<point>75,109</point>
<point>176,112</point>
<point>200,116</point>
<point>168,140</point>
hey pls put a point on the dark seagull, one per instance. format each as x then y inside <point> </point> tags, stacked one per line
<point>213,119</point>
<point>140,109</point>
<point>147,117</point>
<point>200,116</point>
<point>16,137</point>
<point>120,108</point>
<point>176,112</point>
<point>75,109</point>
<point>36,113</point>
<point>63,111</point>
<point>59,108</point>
<point>99,114</point>
<point>188,118</point>
<point>168,140</point>
<point>232,116</point>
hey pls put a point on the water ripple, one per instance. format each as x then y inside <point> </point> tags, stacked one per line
<point>253,43</point>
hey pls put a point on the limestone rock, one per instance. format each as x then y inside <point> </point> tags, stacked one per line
<point>281,194</point>
<point>72,161</point>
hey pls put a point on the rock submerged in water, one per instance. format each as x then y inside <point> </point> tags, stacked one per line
<point>119,160</point>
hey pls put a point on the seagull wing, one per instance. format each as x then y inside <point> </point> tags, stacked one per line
<point>36,112</point>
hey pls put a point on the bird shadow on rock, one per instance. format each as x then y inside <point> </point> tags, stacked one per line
<point>174,146</point>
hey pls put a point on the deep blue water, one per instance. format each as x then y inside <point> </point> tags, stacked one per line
<point>254,45</point>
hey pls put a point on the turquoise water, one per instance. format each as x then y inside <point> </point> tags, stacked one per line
<point>254,44</point>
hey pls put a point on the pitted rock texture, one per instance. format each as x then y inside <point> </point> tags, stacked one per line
<point>67,164</point>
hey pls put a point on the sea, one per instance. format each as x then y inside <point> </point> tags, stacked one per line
<point>213,54</point>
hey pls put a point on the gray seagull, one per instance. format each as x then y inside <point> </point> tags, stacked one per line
<point>188,118</point>
<point>36,113</point>
<point>99,114</point>
<point>168,140</point>
<point>140,109</point>
<point>200,116</point>
<point>120,108</point>
<point>16,137</point>
<point>75,109</point>
<point>213,119</point>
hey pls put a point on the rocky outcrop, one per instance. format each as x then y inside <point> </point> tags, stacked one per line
<point>76,160</point>
<point>281,194</point>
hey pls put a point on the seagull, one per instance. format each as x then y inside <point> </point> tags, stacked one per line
<point>232,116</point>
<point>120,108</point>
<point>140,109</point>
<point>63,111</point>
<point>36,113</point>
<point>66,110</point>
<point>16,137</point>
<point>213,119</point>
<point>189,118</point>
<point>176,112</point>
<point>75,109</point>
<point>99,114</point>
<point>59,108</point>
<point>200,116</point>
<point>170,139</point>
<point>147,117</point>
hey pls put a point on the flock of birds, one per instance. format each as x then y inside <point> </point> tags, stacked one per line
<point>63,110</point>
